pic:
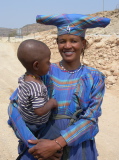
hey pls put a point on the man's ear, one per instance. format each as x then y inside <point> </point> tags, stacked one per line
<point>36,65</point>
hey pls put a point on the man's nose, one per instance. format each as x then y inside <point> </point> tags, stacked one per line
<point>68,45</point>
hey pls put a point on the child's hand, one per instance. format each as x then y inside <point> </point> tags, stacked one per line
<point>53,103</point>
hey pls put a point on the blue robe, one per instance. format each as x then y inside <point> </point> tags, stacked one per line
<point>88,84</point>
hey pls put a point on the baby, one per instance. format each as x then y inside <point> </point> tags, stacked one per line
<point>33,101</point>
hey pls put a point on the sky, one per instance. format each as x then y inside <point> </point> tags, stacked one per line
<point>18,13</point>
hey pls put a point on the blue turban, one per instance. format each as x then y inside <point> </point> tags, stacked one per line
<point>75,24</point>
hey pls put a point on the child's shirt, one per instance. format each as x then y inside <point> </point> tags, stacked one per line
<point>32,95</point>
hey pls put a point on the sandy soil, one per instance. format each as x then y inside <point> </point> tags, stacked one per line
<point>11,69</point>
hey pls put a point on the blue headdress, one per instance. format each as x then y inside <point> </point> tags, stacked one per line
<point>75,24</point>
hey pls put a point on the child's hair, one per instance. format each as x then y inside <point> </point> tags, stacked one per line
<point>30,51</point>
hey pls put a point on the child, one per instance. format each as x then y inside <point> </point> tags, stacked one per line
<point>34,104</point>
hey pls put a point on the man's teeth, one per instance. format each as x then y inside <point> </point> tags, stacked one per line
<point>68,52</point>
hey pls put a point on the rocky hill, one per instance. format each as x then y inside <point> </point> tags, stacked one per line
<point>33,28</point>
<point>113,28</point>
<point>25,30</point>
<point>5,32</point>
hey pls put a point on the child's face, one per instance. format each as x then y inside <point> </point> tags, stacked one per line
<point>44,66</point>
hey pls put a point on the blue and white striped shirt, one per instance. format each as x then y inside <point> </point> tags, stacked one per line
<point>32,95</point>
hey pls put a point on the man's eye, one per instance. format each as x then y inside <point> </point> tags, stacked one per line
<point>61,42</point>
<point>74,41</point>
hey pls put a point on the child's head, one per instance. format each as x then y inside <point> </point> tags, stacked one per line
<point>34,56</point>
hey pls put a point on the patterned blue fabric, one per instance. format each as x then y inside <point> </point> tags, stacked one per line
<point>16,121</point>
<point>75,24</point>
<point>88,84</point>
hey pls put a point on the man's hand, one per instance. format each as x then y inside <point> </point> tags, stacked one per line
<point>44,149</point>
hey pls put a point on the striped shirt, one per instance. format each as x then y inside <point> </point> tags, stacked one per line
<point>32,95</point>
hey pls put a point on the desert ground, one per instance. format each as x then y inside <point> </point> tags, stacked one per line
<point>102,56</point>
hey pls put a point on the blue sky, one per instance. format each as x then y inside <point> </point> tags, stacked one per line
<point>16,14</point>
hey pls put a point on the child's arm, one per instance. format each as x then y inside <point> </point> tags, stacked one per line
<point>52,103</point>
